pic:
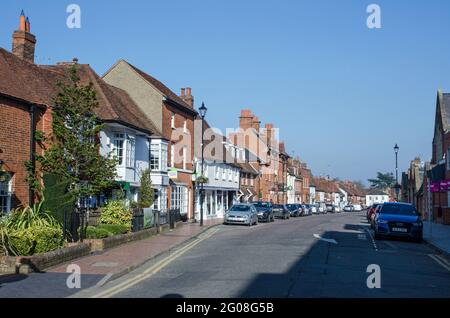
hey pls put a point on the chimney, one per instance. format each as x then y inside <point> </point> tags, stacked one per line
<point>246,119</point>
<point>256,123</point>
<point>24,43</point>
<point>186,96</point>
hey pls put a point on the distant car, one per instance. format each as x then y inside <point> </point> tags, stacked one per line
<point>398,220</point>
<point>294,209</point>
<point>322,208</point>
<point>313,208</point>
<point>306,210</point>
<point>330,208</point>
<point>337,209</point>
<point>264,211</point>
<point>281,211</point>
<point>357,208</point>
<point>245,214</point>
<point>349,208</point>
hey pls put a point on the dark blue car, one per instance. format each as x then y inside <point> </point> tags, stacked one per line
<point>398,220</point>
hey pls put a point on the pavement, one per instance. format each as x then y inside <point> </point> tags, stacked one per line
<point>437,235</point>
<point>98,269</point>
<point>322,256</point>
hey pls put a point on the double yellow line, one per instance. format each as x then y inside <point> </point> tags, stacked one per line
<point>152,270</point>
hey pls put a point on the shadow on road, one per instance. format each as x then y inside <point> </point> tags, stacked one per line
<point>330,270</point>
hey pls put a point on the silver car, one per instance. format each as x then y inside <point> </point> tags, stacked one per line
<point>245,214</point>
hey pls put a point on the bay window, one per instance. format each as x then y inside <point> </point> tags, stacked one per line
<point>158,156</point>
<point>118,146</point>
<point>131,150</point>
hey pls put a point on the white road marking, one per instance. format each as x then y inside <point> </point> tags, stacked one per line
<point>152,270</point>
<point>104,280</point>
<point>438,260</point>
<point>443,259</point>
<point>373,240</point>
<point>362,237</point>
<point>317,236</point>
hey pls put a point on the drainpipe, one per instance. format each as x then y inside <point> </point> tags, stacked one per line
<point>32,149</point>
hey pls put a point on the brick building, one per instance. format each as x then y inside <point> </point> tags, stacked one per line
<point>174,117</point>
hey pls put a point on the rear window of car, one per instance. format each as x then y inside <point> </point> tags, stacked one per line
<point>261,205</point>
<point>240,208</point>
<point>398,209</point>
<point>291,206</point>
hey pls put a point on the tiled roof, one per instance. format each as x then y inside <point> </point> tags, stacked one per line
<point>162,88</point>
<point>114,103</point>
<point>26,81</point>
<point>38,84</point>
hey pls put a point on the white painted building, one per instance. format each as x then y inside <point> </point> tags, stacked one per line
<point>291,189</point>
<point>376,196</point>
<point>312,194</point>
<point>131,149</point>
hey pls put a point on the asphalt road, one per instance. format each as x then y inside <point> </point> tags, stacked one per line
<point>290,259</point>
<point>317,256</point>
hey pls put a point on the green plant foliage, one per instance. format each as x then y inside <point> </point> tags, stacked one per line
<point>146,193</point>
<point>96,233</point>
<point>114,229</point>
<point>30,231</point>
<point>74,154</point>
<point>115,212</point>
<point>58,199</point>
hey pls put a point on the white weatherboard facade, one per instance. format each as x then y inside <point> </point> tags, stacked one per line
<point>131,148</point>
<point>220,192</point>
<point>374,199</point>
<point>291,189</point>
<point>312,195</point>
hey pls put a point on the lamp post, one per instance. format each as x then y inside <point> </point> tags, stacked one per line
<point>203,111</point>
<point>397,186</point>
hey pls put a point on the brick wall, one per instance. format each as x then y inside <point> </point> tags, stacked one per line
<point>15,146</point>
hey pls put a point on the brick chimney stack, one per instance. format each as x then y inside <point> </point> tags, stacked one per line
<point>246,119</point>
<point>186,96</point>
<point>24,43</point>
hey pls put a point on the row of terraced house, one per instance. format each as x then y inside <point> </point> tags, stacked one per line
<point>146,125</point>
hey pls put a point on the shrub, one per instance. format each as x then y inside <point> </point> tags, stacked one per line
<point>35,240</point>
<point>30,231</point>
<point>115,212</point>
<point>96,233</point>
<point>114,229</point>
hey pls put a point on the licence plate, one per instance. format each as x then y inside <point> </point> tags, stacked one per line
<point>399,229</point>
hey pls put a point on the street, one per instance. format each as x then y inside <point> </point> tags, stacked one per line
<point>290,259</point>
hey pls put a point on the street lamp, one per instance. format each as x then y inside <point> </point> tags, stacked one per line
<point>397,186</point>
<point>203,111</point>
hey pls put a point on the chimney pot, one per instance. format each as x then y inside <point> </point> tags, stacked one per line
<point>188,91</point>
<point>183,92</point>
<point>75,60</point>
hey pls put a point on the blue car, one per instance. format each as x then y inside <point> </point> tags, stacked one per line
<point>398,220</point>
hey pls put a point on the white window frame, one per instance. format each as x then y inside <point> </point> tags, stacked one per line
<point>217,172</point>
<point>5,196</point>
<point>130,159</point>
<point>172,121</point>
<point>179,199</point>
<point>184,158</point>
<point>172,155</point>
<point>185,126</point>
<point>119,137</point>
<point>155,152</point>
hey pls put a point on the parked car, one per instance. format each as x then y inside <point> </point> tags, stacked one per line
<point>305,209</point>
<point>264,211</point>
<point>357,208</point>
<point>313,208</point>
<point>398,220</point>
<point>294,209</point>
<point>330,208</point>
<point>322,208</point>
<point>374,214</point>
<point>242,214</point>
<point>281,211</point>
<point>349,208</point>
<point>337,209</point>
<point>371,211</point>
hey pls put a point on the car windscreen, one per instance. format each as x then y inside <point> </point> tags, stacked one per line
<point>398,209</point>
<point>261,205</point>
<point>291,207</point>
<point>240,208</point>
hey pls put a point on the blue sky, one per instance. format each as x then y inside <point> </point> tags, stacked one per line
<point>342,94</point>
